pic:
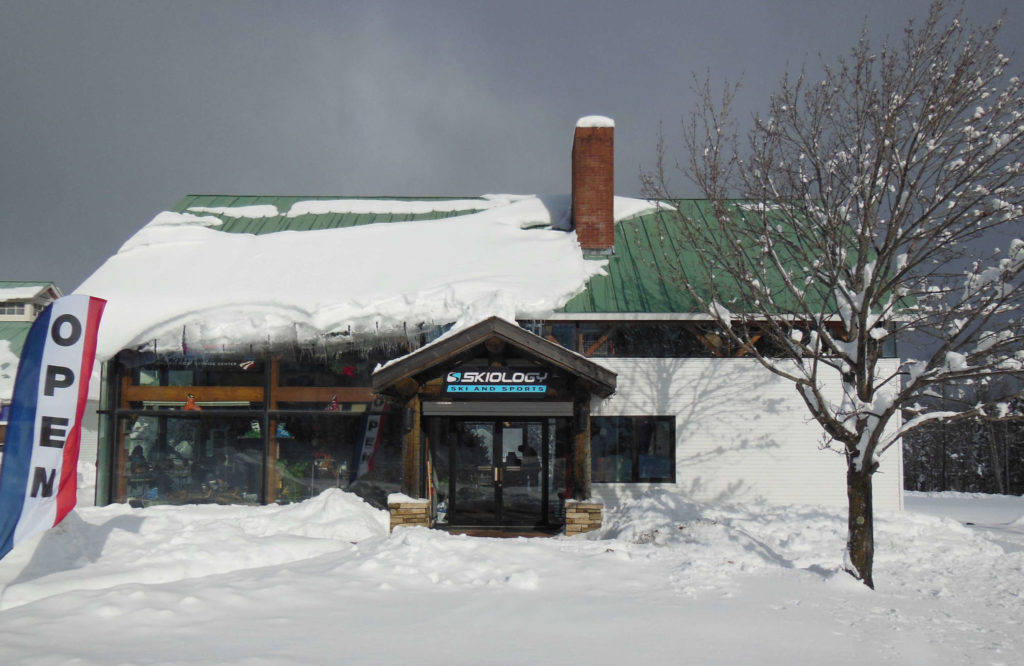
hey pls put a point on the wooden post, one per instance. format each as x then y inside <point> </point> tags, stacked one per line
<point>121,470</point>
<point>273,479</point>
<point>411,462</point>
<point>581,448</point>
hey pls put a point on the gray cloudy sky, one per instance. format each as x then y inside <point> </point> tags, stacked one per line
<point>112,110</point>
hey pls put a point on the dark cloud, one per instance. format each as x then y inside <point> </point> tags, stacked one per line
<point>112,110</point>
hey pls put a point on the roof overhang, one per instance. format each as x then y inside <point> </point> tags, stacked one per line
<point>494,330</point>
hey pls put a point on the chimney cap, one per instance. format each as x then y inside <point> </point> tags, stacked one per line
<point>595,121</point>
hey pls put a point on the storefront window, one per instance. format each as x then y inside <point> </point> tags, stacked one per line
<point>177,459</point>
<point>315,453</point>
<point>339,370</point>
<point>194,369</point>
<point>679,339</point>
<point>632,449</point>
<point>230,428</point>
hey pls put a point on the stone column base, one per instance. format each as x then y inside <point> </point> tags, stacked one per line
<point>408,511</point>
<point>582,516</point>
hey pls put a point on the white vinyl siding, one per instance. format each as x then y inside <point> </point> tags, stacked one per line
<point>743,435</point>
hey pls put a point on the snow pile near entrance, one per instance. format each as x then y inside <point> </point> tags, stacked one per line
<point>99,547</point>
<point>179,276</point>
<point>665,581</point>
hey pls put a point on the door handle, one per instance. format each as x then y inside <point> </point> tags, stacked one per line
<point>497,474</point>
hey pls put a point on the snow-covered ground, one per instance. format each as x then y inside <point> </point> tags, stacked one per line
<point>665,582</point>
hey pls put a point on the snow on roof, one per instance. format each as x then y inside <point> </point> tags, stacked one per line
<point>238,211</point>
<point>20,293</point>
<point>395,206</point>
<point>180,272</point>
<point>595,121</point>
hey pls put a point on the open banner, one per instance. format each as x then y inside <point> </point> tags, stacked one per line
<point>38,480</point>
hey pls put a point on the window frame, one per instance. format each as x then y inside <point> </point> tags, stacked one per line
<point>634,447</point>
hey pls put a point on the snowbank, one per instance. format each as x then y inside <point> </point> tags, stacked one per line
<point>100,547</point>
<point>665,581</point>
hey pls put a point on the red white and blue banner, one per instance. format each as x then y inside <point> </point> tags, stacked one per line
<point>367,446</point>
<point>38,480</point>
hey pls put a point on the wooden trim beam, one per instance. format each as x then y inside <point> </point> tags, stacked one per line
<point>202,393</point>
<point>246,394</point>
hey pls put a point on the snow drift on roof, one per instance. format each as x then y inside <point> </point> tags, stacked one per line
<point>20,293</point>
<point>254,212</point>
<point>397,206</point>
<point>180,271</point>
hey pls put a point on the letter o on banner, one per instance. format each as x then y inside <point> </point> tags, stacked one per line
<point>56,330</point>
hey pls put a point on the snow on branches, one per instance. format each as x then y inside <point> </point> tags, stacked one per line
<point>854,212</point>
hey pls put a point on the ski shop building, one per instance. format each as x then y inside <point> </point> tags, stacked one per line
<point>498,362</point>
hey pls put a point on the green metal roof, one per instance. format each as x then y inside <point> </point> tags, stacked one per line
<point>14,284</point>
<point>267,225</point>
<point>15,333</point>
<point>645,271</point>
<point>640,273</point>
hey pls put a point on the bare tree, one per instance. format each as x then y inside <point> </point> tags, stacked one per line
<point>852,212</point>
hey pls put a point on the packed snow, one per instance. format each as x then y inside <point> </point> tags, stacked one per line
<point>180,277</point>
<point>664,581</point>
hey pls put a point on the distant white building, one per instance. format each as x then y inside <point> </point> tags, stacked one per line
<point>493,356</point>
<point>20,304</point>
<point>23,301</point>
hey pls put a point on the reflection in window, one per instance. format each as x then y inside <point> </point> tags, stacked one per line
<point>679,339</point>
<point>192,369</point>
<point>358,452</point>
<point>178,460</point>
<point>629,449</point>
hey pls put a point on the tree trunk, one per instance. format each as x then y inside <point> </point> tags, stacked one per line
<point>860,548</point>
<point>997,463</point>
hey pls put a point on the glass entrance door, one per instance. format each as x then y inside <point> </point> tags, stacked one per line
<point>475,492</point>
<point>520,471</point>
<point>499,472</point>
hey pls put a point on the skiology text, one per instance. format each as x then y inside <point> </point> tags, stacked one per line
<point>496,381</point>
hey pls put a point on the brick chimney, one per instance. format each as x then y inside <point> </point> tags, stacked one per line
<point>593,184</point>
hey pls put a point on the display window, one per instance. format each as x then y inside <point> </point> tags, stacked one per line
<point>277,427</point>
<point>679,339</point>
<point>358,451</point>
<point>632,449</point>
<point>172,459</point>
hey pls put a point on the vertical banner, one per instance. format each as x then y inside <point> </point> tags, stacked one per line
<point>365,450</point>
<point>38,480</point>
<point>368,446</point>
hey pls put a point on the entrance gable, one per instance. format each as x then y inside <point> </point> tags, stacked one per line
<point>476,404</point>
<point>490,337</point>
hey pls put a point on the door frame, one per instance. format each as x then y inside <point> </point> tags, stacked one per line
<point>450,432</point>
